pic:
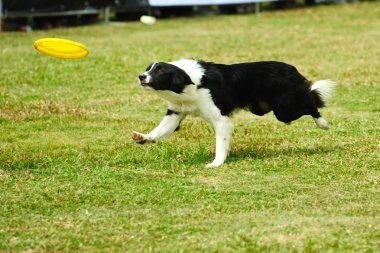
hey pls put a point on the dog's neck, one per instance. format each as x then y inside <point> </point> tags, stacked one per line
<point>192,69</point>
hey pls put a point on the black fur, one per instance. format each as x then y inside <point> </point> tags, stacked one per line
<point>170,112</point>
<point>261,87</point>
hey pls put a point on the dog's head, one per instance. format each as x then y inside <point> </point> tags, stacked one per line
<point>164,76</point>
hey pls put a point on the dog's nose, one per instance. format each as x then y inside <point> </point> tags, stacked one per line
<point>142,77</point>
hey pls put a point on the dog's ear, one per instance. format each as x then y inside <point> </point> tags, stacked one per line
<point>180,79</point>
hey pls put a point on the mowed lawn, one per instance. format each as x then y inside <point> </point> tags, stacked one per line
<point>71,179</point>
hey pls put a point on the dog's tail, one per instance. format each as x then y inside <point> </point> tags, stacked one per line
<point>321,92</point>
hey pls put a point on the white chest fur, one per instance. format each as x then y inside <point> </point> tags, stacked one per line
<point>193,101</point>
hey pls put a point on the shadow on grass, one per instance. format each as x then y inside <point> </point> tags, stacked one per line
<point>171,157</point>
<point>237,154</point>
<point>289,151</point>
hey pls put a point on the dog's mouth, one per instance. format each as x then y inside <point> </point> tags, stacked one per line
<point>146,85</point>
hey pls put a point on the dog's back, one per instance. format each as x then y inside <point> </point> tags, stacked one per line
<point>262,87</point>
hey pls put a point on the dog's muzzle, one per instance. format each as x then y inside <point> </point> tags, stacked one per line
<point>144,81</point>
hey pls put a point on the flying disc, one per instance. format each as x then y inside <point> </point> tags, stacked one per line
<point>61,48</point>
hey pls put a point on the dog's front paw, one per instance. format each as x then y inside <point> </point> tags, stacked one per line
<point>214,164</point>
<point>141,138</point>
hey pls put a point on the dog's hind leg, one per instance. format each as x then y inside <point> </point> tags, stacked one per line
<point>321,122</point>
<point>321,92</point>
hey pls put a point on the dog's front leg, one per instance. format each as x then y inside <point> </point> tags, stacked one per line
<point>167,126</point>
<point>223,129</point>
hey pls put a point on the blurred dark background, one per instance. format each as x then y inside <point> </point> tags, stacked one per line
<point>22,15</point>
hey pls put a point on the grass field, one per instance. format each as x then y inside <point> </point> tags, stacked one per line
<point>71,179</point>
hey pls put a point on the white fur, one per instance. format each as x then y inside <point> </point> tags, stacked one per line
<point>325,88</point>
<point>222,125</point>
<point>188,95</point>
<point>192,68</point>
<point>167,126</point>
<point>223,129</point>
<point>321,123</point>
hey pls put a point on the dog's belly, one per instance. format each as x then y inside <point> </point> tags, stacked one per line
<point>259,108</point>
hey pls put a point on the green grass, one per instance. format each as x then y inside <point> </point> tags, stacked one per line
<point>71,179</point>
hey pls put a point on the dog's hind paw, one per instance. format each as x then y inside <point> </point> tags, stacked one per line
<point>321,123</point>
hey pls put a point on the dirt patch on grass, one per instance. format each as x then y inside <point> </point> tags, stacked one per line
<point>40,109</point>
<point>210,181</point>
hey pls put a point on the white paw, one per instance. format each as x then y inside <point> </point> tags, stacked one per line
<point>322,123</point>
<point>141,138</point>
<point>213,164</point>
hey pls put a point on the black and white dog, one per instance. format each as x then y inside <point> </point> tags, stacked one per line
<point>214,91</point>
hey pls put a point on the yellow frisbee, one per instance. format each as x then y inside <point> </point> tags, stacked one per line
<point>61,48</point>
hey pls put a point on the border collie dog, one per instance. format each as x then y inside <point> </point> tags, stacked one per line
<point>214,91</point>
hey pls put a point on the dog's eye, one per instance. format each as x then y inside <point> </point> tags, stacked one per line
<point>158,69</point>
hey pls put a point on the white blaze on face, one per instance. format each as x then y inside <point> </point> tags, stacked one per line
<point>148,76</point>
